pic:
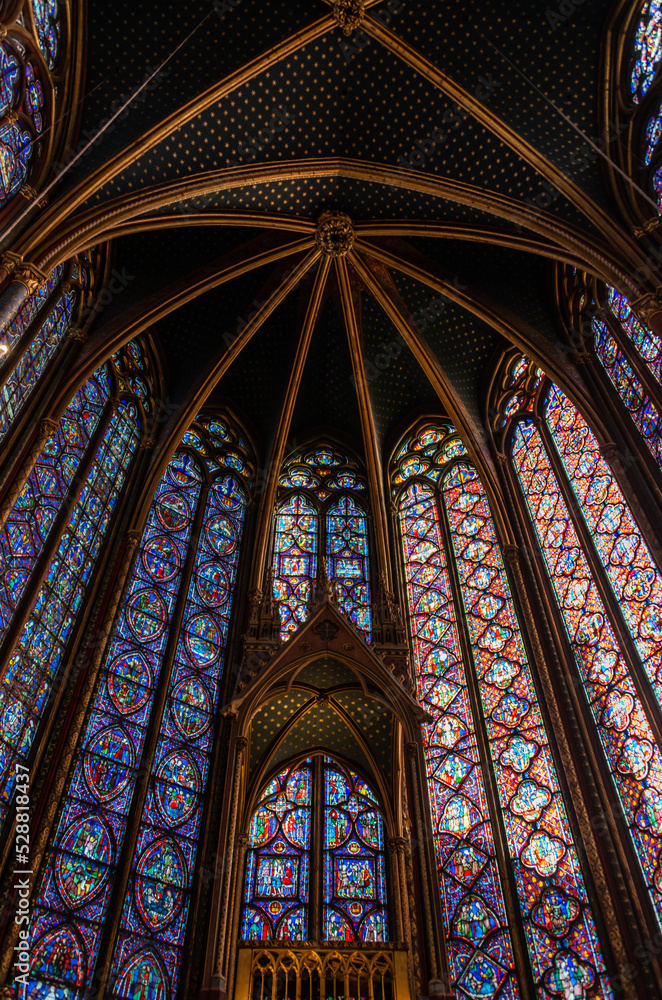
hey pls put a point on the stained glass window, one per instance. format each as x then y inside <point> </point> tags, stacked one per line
<point>297,528</point>
<point>199,501</point>
<point>32,340</point>
<point>46,18</point>
<point>321,521</point>
<point>624,565</point>
<point>647,343</point>
<point>653,133</point>
<point>642,410</point>
<point>60,520</point>
<point>277,887</point>
<point>347,559</point>
<point>354,870</point>
<point>647,49</point>
<point>282,835</point>
<point>441,497</point>
<point>22,111</point>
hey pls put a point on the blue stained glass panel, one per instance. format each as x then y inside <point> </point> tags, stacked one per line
<point>354,870</point>
<point>647,49</point>
<point>23,380</point>
<point>38,656</point>
<point>15,154</point>
<point>648,343</point>
<point>75,888</point>
<point>156,910</point>
<point>277,883</point>
<point>295,557</point>
<point>347,560</point>
<point>642,410</point>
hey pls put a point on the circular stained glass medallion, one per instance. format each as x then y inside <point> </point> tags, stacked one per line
<point>191,707</point>
<point>161,558</point>
<point>129,682</point>
<point>203,639</point>
<point>173,511</point>
<point>222,535</point>
<point>146,615</point>
<point>212,583</point>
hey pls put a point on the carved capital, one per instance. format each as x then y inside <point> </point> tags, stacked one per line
<point>28,192</point>
<point>609,451</point>
<point>11,117</point>
<point>411,749</point>
<point>583,358</point>
<point>75,333</point>
<point>511,555</point>
<point>335,234</point>
<point>132,538</point>
<point>397,845</point>
<point>242,842</point>
<point>3,31</point>
<point>240,745</point>
<point>647,305</point>
<point>30,276</point>
<point>349,15</point>
<point>8,263</point>
<point>146,444</point>
<point>47,428</point>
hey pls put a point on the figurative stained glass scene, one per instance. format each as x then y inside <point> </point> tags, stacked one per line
<point>330,500</point>
<point>322,523</point>
<point>283,837</point>
<point>442,497</point>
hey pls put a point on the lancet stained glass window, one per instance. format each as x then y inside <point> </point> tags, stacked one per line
<point>277,886</point>
<point>282,836</point>
<point>647,48</point>
<point>24,110</point>
<point>354,870</point>
<point>647,343</point>
<point>443,497</point>
<point>61,515</point>
<point>623,563</point>
<point>156,912</point>
<point>642,410</point>
<point>38,333</point>
<point>71,907</point>
<point>321,522</point>
<point>347,559</point>
<point>297,529</point>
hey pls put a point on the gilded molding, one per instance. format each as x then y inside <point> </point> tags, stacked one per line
<point>101,223</point>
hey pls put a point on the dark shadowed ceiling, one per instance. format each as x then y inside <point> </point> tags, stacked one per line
<point>331,99</point>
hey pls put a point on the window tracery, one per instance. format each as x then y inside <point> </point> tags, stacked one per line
<point>50,546</point>
<point>30,343</point>
<point>171,633</point>
<point>457,582</point>
<point>597,561</point>
<point>629,353</point>
<point>321,521</point>
<point>282,835</point>
<point>647,49</point>
<point>26,112</point>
